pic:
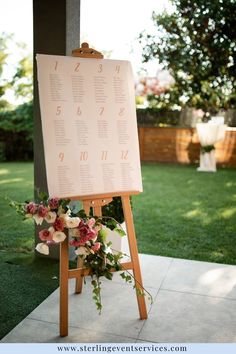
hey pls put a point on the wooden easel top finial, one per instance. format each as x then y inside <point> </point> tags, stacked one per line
<point>85,52</point>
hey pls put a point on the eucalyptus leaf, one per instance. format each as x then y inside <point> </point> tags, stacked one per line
<point>120,231</point>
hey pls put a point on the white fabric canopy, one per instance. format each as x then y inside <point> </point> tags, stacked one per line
<point>209,134</point>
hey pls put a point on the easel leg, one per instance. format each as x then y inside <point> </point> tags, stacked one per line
<point>80,262</point>
<point>64,268</point>
<point>134,254</point>
<point>97,210</point>
<point>79,281</point>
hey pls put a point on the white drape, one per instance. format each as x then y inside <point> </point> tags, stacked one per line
<point>209,134</point>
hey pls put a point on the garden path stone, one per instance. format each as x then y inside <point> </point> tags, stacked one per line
<point>193,302</point>
<point>202,278</point>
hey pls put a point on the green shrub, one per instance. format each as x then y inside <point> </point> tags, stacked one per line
<point>158,117</point>
<point>114,209</point>
<point>16,133</point>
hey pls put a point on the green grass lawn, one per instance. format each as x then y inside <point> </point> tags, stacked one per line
<point>16,182</point>
<point>25,281</point>
<point>181,213</point>
<point>187,214</point>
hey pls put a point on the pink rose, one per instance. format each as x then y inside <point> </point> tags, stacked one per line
<point>31,208</point>
<point>92,235</point>
<point>91,222</point>
<point>86,234</point>
<point>42,211</point>
<point>84,230</point>
<point>45,235</point>
<point>59,224</point>
<point>96,246</point>
<point>53,203</point>
<point>74,243</point>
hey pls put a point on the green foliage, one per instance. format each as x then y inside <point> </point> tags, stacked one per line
<point>20,83</point>
<point>197,44</point>
<point>154,116</point>
<point>23,79</point>
<point>97,293</point>
<point>4,38</point>
<point>16,132</point>
<point>16,124</point>
<point>120,231</point>
<point>207,148</point>
<point>114,209</point>
<point>127,277</point>
<point>18,120</point>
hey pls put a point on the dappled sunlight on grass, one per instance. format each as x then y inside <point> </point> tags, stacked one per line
<point>194,213</point>
<point>197,203</point>
<point>11,180</point>
<point>207,217</point>
<point>230,184</point>
<point>4,171</point>
<point>184,214</point>
<point>228,212</point>
<point>201,216</point>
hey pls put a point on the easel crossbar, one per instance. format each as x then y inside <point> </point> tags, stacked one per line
<point>78,272</point>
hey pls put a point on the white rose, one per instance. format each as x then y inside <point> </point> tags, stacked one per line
<point>71,223</point>
<point>58,236</point>
<point>38,219</point>
<point>74,232</point>
<point>64,215</point>
<point>51,217</point>
<point>81,251</point>
<point>42,248</point>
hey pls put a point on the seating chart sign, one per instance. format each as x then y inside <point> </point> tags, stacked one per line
<point>89,126</point>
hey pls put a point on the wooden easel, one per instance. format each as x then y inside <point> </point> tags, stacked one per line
<point>97,202</point>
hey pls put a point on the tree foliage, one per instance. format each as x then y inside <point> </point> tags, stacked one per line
<point>16,133</point>
<point>22,81</point>
<point>197,44</point>
<point>3,60</point>
<point>15,75</point>
<point>16,120</point>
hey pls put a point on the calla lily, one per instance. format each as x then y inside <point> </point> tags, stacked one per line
<point>58,236</point>
<point>42,248</point>
<point>72,222</point>
<point>38,219</point>
<point>50,217</point>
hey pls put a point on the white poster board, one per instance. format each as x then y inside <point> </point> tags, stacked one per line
<point>89,126</point>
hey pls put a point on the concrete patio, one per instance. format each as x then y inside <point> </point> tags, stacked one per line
<point>194,302</point>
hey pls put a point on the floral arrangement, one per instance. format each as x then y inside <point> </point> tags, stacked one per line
<point>87,234</point>
<point>207,148</point>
